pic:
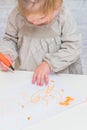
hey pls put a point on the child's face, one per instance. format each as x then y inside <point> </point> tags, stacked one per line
<point>37,19</point>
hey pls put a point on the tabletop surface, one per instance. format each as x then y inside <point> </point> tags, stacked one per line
<point>17,113</point>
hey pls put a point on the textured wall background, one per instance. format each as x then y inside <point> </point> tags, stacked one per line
<point>79,11</point>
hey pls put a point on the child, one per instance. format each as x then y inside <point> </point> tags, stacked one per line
<point>41,36</point>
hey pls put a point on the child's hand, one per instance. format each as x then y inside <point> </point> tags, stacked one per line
<point>41,74</point>
<point>3,67</point>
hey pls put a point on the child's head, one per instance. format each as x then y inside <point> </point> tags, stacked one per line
<point>45,7</point>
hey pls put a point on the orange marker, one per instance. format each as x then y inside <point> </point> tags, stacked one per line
<point>5,61</point>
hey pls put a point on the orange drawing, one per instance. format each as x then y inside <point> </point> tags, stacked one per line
<point>43,96</point>
<point>67,101</point>
<point>28,118</point>
<point>22,106</point>
<point>52,81</point>
<point>50,93</point>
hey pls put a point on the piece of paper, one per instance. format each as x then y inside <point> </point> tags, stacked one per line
<point>24,104</point>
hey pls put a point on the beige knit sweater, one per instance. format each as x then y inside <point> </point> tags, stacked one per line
<point>58,43</point>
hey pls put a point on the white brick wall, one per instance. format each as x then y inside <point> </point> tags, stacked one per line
<point>79,9</point>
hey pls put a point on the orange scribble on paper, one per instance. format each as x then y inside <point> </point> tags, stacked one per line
<point>49,93</point>
<point>22,106</point>
<point>36,99</point>
<point>43,95</point>
<point>52,81</point>
<point>67,101</point>
<point>62,90</point>
<point>28,118</point>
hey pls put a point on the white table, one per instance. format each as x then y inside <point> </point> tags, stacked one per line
<point>74,118</point>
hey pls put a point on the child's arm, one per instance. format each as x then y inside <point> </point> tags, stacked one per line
<point>8,45</point>
<point>69,51</point>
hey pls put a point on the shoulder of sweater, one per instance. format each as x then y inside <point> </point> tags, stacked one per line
<point>64,12</point>
<point>16,18</point>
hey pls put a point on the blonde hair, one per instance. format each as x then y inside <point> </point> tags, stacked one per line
<point>46,6</point>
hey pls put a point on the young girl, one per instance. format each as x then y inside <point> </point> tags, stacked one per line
<point>42,36</point>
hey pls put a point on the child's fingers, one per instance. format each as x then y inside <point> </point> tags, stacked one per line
<point>34,78</point>
<point>3,67</point>
<point>8,58</point>
<point>40,79</point>
<point>46,79</point>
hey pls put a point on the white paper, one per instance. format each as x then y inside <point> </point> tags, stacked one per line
<point>23,104</point>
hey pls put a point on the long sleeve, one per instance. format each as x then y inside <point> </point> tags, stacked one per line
<point>69,51</point>
<point>8,44</point>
